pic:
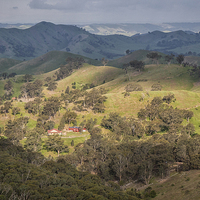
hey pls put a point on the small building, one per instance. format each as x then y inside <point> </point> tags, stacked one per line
<point>75,129</point>
<point>54,132</point>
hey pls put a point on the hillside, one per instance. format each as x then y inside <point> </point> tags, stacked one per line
<point>173,79</point>
<point>146,156</point>
<point>45,37</point>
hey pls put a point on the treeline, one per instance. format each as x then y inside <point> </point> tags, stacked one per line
<point>28,175</point>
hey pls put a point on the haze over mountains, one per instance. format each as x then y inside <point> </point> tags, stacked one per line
<point>45,37</point>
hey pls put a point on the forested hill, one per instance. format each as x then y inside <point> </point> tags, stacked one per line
<point>45,37</point>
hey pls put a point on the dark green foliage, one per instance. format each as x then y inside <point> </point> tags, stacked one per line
<point>169,98</point>
<point>15,130</point>
<point>27,77</point>
<point>69,117</point>
<point>55,143</point>
<point>119,125</point>
<point>187,114</point>
<point>6,106</point>
<point>154,56</point>
<point>67,90</point>
<point>33,140</point>
<point>49,125</point>
<point>169,58</point>
<point>15,111</point>
<point>28,175</point>
<point>51,107</point>
<point>96,100</point>
<point>9,90</point>
<point>62,124</point>
<point>30,90</point>
<point>180,58</point>
<point>52,85</point>
<point>137,65</point>
<point>33,106</point>
<point>133,87</point>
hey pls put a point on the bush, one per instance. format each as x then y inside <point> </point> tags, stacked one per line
<point>133,87</point>
<point>156,87</point>
<point>152,194</point>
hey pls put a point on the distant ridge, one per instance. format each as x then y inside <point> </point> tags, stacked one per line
<point>45,37</point>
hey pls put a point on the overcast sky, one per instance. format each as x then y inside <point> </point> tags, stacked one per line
<point>99,11</point>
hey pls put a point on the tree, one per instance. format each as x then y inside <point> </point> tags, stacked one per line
<point>55,143</point>
<point>30,90</point>
<point>128,52</point>
<point>69,116</point>
<point>16,129</point>
<point>156,87</point>
<point>104,61</point>
<point>154,56</point>
<point>5,108</point>
<point>15,111</point>
<point>187,114</point>
<point>67,90</point>
<point>28,77</point>
<point>9,89</point>
<point>169,58</point>
<point>52,85</point>
<point>180,58</point>
<point>169,98</point>
<point>33,140</point>
<point>133,87</point>
<point>51,106</point>
<point>137,65</point>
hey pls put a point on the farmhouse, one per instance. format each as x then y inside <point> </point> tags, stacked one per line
<point>54,132</point>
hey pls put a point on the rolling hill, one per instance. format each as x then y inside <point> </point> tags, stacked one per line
<point>46,63</point>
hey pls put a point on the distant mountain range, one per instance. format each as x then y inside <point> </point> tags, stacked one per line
<point>130,29</point>
<point>45,37</point>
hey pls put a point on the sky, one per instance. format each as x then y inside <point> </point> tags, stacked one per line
<point>99,11</point>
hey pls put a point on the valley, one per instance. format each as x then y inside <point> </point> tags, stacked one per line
<point>141,114</point>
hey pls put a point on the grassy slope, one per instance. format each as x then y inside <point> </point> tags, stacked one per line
<point>173,78</point>
<point>183,186</point>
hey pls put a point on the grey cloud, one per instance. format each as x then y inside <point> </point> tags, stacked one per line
<point>123,10</point>
<point>57,5</point>
<point>15,8</point>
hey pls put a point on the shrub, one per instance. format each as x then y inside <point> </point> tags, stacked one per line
<point>133,87</point>
<point>156,87</point>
